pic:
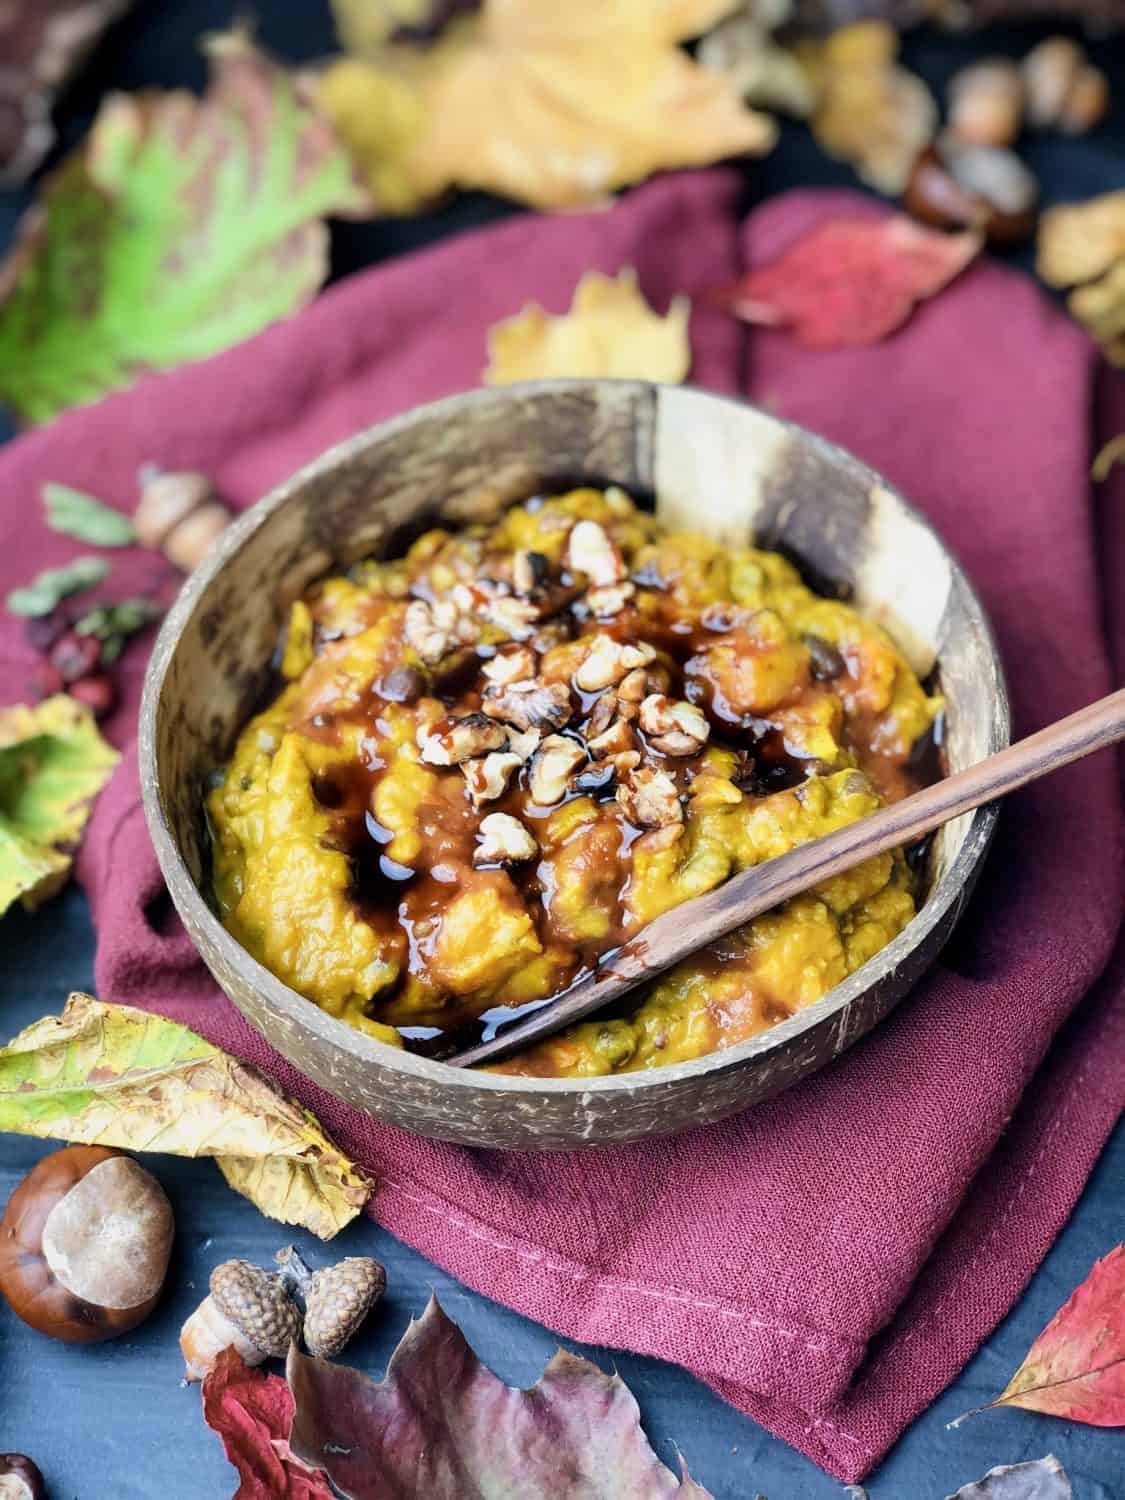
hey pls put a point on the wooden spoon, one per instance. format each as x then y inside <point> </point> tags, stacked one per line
<point>693,924</point>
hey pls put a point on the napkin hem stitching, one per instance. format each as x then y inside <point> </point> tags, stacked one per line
<point>576,1273</point>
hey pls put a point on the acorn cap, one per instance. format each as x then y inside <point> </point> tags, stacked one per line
<point>337,1299</point>
<point>257,1303</point>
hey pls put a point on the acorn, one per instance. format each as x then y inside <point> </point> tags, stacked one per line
<point>1063,88</point>
<point>247,1308</point>
<point>1086,103</point>
<point>337,1298</point>
<point>179,514</point>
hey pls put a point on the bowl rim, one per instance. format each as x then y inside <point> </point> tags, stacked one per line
<point>951,890</point>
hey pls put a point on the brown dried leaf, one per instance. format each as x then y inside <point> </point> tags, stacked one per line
<point>552,105</point>
<point>441,1425</point>
<point>610,330</point>
<point>872,112</point>
<point>41,45</point>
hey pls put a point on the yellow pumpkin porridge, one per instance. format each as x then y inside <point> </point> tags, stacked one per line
<point>496,758</point>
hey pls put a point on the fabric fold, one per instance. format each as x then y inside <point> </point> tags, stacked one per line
<point>826,1261</point>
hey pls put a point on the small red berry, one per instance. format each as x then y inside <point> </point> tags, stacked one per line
<point>75,656</point>
<point>46,682</point>
<point>97,692</point>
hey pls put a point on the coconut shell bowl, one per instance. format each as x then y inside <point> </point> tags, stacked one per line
<point>786,489</point>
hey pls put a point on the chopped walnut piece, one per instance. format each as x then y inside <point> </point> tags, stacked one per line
<point>659,838</point>
<point>610,600</point>
<point>589,550</point>
<point>530,570</point>
<point>451,741</point>
<point>503,839</point>
<point>634,687</point>
<point>551,768</point>
<point>434,628</point>
<point>524,743</point>
<point>649,798</point>
<point>608,661</point>
<point>615,740</point>
<point>602,715</point>
<point>423,634</point>
<point>487,778</point>
<point>673,726</point>
<point>516,617</point>
<point>551,634</point>
<point>530,705</point>
<point>514,664</point>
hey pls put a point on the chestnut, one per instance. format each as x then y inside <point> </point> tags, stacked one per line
<point>20,1479</point>
<point>84,1245</point>
<point>958,186</point>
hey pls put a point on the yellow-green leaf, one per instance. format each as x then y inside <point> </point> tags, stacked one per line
<point>53,762</point>
<point>180,226</point>
<point>111,1075</point>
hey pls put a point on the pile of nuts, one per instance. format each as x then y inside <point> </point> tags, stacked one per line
<point>1055,87</point>
<point>969,177</point>
<point>552,727</point>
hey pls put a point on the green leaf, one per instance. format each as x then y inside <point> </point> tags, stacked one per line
<point>180,227</point>
<point>43,593</point>
<point>53,762</point>
<point>111,1075</point>
<point>113,624</point>
<point>87,519</point>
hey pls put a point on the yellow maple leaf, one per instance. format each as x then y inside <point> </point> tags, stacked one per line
<point>1085,243</point>
<point>610,330</point>
<point>553,105</point>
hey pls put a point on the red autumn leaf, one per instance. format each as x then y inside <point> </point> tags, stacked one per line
<point>252,1413</point>
<point>1076,1367</point>
<point>444,1427</point>
<point>850,281</point>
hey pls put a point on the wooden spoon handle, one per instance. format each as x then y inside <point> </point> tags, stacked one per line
<point>694,924</point>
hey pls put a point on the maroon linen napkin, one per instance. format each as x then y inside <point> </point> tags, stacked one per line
<point>827,1261</point>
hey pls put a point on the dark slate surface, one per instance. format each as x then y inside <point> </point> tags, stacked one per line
<point>114,1420</point>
